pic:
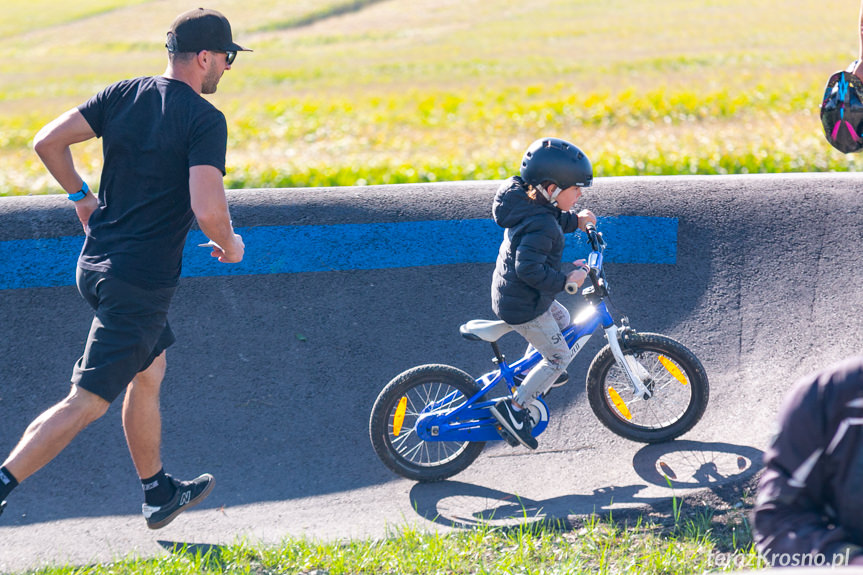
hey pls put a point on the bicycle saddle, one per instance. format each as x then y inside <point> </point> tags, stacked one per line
<point>484,330</point>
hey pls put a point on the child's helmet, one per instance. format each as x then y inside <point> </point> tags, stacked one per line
<point>842,111</point>
<point>556,161</point>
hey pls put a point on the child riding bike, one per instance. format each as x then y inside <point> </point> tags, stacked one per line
<point>535,208</point>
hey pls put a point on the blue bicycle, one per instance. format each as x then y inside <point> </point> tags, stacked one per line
<point>432,421</point>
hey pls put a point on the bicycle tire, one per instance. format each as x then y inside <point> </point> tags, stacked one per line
<point>405,453</point>
<point>677,378</point>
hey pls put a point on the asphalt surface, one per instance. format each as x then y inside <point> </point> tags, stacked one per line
<point>271,382</point>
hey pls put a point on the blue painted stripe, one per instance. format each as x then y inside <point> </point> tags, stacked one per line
<point>50,262</point>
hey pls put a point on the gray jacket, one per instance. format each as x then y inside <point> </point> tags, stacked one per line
<point>527,276</point>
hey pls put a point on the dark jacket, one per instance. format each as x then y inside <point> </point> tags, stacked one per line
<point>527,276</point>
<point>809,498</point>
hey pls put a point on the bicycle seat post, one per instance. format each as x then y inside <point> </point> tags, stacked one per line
<point>498,356</point>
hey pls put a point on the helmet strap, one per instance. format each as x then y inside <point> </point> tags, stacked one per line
<point>552,198</point>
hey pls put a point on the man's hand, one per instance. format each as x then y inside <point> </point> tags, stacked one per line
<point>231,255</point>
<point>85,208</point>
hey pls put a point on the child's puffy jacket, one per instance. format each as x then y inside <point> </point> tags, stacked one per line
<point>527,276</point>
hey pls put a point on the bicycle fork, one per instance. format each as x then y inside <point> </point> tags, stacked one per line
<point>634,371</point>
<point>594,316</point>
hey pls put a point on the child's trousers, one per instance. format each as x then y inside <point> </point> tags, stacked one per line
<point>544,333</point>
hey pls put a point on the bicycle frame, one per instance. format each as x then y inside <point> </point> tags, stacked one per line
<point>471,421</point>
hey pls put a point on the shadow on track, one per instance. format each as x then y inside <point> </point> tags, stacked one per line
<point>694,465</point>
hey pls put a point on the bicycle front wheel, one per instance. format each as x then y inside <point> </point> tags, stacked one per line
<point>392,426</point>
<point>672,373</point>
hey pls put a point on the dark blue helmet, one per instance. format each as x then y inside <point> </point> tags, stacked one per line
<point>556,161</point>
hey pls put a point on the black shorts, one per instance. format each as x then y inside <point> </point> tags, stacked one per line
<point>130,329</point>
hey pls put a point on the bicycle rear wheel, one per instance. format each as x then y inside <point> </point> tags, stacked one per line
<point>396,411</point>
<point>674,375</point>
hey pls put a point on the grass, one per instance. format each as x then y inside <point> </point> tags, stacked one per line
<point>690,544</point>
<point>316,15</point>
<point>353,92</point>
<point>707,532</point>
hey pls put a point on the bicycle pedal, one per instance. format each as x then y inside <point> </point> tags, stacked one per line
<point>507,436</point>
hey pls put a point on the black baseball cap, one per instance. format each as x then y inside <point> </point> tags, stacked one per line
<point>202,29</point>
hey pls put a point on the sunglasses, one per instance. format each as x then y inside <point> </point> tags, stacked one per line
<point>229,56</point>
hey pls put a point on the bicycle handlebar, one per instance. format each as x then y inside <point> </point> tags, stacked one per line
<point>594,238</point>
<point>597,245</point>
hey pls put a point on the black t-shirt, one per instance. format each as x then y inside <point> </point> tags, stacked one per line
<point>153,129</point>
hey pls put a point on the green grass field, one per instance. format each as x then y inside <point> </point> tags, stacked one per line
<point>691,542</point>
<point>347,92</point>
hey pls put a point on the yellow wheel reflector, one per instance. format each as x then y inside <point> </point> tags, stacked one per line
<point>673,369</point>
<point>399,417</point>
<point>618,403</point>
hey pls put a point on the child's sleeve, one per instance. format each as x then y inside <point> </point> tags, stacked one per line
<point>530,263</point>
<point>568,221</point>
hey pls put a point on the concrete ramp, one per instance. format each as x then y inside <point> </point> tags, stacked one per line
<point>277,365</point>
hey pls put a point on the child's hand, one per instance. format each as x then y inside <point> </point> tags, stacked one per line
<point>577,276</point>
<point>585,217</point>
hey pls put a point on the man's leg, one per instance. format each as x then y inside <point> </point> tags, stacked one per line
<point>142,420</point>
<point>53,430</point>
<point>165,497</point>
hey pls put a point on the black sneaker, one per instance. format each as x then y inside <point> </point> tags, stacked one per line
<point>187,495</point>
<point>516,423</point>
<point>559,382</point>
<point>562,380</point>
<point>2,507</point>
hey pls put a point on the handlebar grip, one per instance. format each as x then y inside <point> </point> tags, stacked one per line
<point>571,288</point>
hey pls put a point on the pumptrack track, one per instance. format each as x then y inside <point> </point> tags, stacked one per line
<point>277,365</point>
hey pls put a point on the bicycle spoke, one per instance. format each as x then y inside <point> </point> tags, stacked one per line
<point>670,395</point>
<point>408,444</point>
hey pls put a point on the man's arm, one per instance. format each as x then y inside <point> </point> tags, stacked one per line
<point>210,206</point>
<point>860,32</point>
<point>858,67</point>
<point>53,145</point>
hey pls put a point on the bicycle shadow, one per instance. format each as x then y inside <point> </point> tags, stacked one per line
<point>696,464</point>
<point>676,464</point>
